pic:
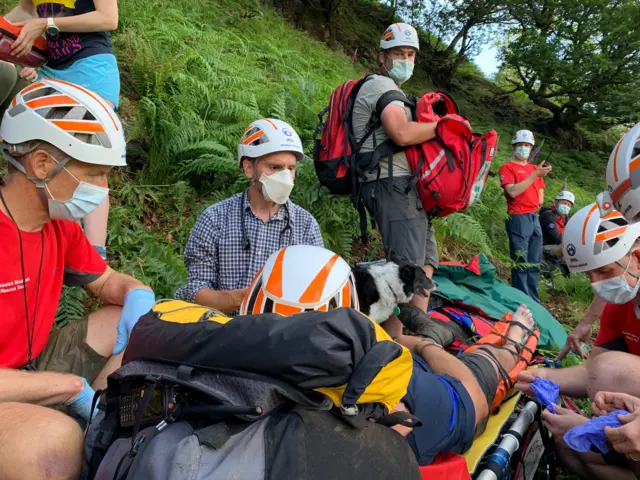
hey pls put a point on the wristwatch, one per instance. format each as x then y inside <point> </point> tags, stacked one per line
<point>52,29</point>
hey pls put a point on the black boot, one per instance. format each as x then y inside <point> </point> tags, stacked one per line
<point>422,324</point>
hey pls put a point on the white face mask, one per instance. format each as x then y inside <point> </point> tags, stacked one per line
<point>85,199</point>
<point>617,290</point>
<point>523,152</point>
<point>401,71</point>
<point>277,187</point>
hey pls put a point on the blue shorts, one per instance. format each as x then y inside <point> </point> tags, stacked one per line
<point>445,408</point>
<point>98,73</point>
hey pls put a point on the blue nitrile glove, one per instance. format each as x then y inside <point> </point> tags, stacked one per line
<point>136,304</point>
<point>547,392</point>
<point>80,408</point>
<point>590,433</point>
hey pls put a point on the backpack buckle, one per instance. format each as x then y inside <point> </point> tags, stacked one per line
<point>349,410</point>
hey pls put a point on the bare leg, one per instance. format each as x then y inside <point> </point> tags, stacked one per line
<point>516,334</point>
<point>442,362</point>
<point>38,442</point>
<point>614,372</point>
<point>591,466</point>
<point>95,225</point>
<point>102,335</point>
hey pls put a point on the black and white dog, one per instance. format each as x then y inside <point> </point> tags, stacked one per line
<point>382,286</point>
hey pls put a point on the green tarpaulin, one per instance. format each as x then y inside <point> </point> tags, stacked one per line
<point>477,285</point>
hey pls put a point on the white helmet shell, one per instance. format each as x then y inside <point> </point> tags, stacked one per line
<point>269,135</point>
<point>523,136</point>
<point>566,195</point>
<point>623,177</point>
<point>55,111</point>
<point>299,278</point>
<point>591,241</point>
<point>400,35</point>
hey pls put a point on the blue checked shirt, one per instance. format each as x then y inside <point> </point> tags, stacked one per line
<point>215,256</point>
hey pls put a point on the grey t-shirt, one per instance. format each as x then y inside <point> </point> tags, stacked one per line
<point>364,107</point>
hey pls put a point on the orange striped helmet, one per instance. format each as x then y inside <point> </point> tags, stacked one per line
<point>55,112</point>
<point>269,135</point>
<point>301,278</point>
<point>591,241</point>
<point>623,178</point>
<point>400,35</point>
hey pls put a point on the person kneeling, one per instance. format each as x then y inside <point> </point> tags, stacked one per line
<point>59,162</point>
<point>233,238</point>
<point>607,249</point>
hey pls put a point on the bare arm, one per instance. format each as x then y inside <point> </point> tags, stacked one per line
<point>517,189</point>
<point>23,12</point>
<point>39,388</point>
<point>402,131</point>
<point>541,196</point>
<point>594,312</point>
<point>573,381</point>
<point>112,286</point>
<point>226,301</point>
<point>103,19</point>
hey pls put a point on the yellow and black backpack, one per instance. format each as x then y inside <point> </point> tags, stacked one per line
<point>307,383</point>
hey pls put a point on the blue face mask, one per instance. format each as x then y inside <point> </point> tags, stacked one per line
<point>563,209</point>
<point>523,152</point>
<point>85,199</point>
<point>401,71</point>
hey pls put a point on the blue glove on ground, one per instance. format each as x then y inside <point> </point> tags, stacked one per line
<point>590,433</point>
<point>80,408</point>
<point>136,304</point>
<point>547,392</point>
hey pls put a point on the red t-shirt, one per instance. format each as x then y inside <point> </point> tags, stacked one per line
<point>620,327</point>
<point>529,200</point>
<point>68,257</point>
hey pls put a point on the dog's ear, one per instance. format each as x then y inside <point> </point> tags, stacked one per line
<point>415,280</point>
<point>407,273</point>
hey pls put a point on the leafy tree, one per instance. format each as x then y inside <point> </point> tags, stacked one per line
<point>455,31</point>
<point>579,60</point>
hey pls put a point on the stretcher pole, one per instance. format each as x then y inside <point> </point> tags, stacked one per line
<point>509,444</point>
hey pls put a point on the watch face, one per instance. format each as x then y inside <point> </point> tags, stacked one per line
<point>52,31</point>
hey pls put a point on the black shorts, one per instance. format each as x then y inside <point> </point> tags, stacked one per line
<point>405,228</point>
<point>484,372</point>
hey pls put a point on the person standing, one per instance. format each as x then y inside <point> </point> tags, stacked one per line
<point>523,185</point>
<point>407,233</point>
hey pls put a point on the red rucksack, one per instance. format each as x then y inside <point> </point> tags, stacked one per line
<point>451,169</point>
<point>339,165</point>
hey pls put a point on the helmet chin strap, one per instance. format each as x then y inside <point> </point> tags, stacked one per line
<point>40,183</point>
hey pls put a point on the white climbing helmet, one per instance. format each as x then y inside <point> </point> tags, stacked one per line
<point>400,35</point>
<point>591,241</point>
<point>300,278</point>
<point>55,111</point>
<point>523,136</point>
<point>269,135</point>
<point>566,195</point>
<point>623,178</point>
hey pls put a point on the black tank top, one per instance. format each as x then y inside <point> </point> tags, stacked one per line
<point>67,47</point>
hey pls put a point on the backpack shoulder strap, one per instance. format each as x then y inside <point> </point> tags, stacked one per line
<point>390,97</point>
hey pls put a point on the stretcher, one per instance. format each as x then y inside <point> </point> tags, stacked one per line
<point>512,446</point>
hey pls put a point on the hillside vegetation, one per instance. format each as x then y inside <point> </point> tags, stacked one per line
<point>194,74</point>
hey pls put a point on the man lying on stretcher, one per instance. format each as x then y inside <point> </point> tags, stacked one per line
<point>452,396</point>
